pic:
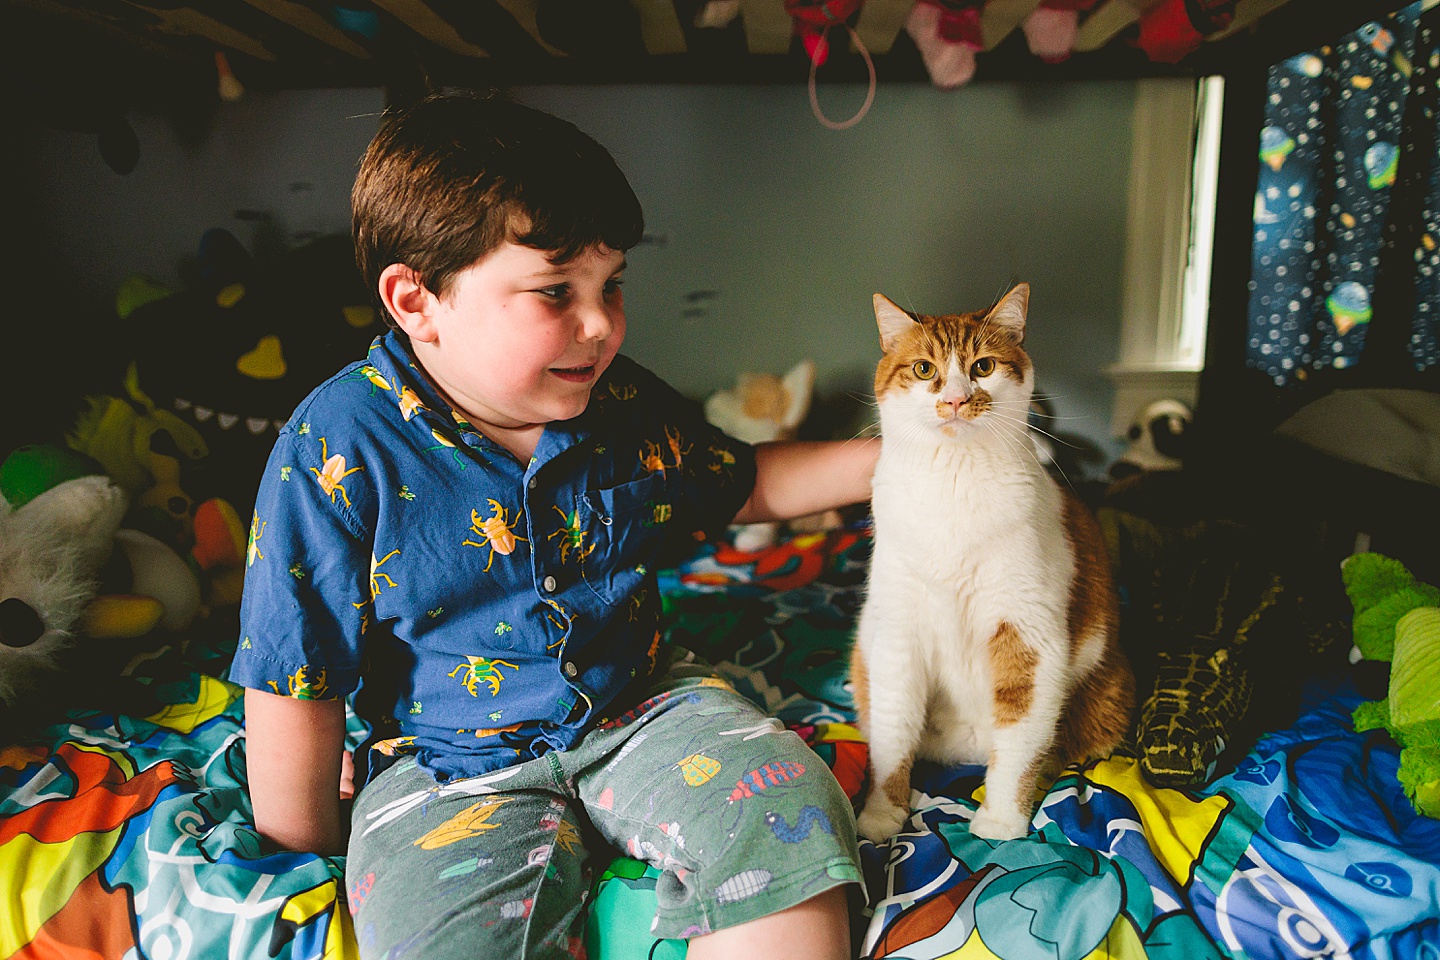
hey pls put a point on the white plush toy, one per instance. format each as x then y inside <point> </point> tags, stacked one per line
<point>762,407</point>
<point>51,552</point>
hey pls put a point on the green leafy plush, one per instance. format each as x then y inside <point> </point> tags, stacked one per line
<point>1398,619</point>
<point>1382,591</point>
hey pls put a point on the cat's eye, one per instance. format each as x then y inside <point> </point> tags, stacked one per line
<point>982,367</point>
<point>924,369</point>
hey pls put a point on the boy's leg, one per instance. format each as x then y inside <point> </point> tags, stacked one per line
<point>740,815</point>
<point>817,929</point>
<point>455,869</point>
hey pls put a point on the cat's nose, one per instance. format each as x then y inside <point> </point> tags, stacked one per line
<point>955,403</point>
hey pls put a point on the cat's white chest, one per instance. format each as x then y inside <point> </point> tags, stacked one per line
<point>965,540</point>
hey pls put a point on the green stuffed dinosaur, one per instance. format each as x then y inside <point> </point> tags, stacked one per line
<point>1397,618</point>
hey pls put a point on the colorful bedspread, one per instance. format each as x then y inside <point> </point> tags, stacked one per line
<point>128,838</point>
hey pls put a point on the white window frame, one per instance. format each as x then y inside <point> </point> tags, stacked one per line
<point>1174,161</point>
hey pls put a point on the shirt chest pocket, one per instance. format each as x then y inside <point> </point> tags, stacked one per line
<point>626,526</point>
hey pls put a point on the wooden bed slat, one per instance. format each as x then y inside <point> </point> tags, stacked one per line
<point>184,21</point>
<point>524,13</point>
<point>881,22</point>
<point>1107,20</point>
<point>309,22</point>
<point>426,22</point>
<point>1000,17</point>
<point>1247,12</point>
<point>660,26</point>
<point>767,26</point>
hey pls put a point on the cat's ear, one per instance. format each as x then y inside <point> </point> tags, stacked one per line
<point>893,321</point>
<point>1009,313</point>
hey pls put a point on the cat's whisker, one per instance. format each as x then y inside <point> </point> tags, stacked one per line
<point>1031,426</point>
<point>1030,449</point>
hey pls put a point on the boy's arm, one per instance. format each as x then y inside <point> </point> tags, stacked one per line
<point>796,478</point>
<point>292,753</point>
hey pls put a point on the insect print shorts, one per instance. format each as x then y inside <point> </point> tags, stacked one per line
<point>739,814</point>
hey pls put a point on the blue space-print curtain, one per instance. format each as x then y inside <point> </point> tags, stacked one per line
<point>1345,273</point>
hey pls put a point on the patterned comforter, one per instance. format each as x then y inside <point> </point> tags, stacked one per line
<point>131,838</point>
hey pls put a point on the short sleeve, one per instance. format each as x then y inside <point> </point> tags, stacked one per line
<point>306,601</point>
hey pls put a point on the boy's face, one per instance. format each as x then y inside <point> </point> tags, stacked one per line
<point>520,341</point>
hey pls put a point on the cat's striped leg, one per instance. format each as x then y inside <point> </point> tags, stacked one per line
<point>892,700</point>
<point>1027,698</point>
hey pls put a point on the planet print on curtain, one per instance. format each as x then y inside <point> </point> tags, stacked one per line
<point>1329,153</point>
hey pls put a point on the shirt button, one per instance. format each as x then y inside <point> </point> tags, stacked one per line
<point>533,483</point>
<point>571,670</point>
<point>549,584</point>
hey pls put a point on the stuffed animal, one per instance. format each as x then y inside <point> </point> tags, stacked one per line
<point>811,18</point>
<point>57,554</point>
<point>948,35</point>
<point>1156,439</point>
<point>760,408</point>
<point>1398,619</point>
<point>51,552</point>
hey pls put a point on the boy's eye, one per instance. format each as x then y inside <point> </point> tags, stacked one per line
<point>982,367</point>
<point>924,369</point>
<point>613,285</point>
<point>556,292</point>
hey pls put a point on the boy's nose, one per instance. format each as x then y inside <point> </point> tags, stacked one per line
<point>596,324</point>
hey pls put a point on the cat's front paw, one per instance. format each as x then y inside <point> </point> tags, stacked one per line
<point>881,819</point>
<point>999,824</point>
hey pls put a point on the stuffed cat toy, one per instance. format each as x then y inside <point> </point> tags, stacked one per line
<point>988,633</point>
<point>51,553</point>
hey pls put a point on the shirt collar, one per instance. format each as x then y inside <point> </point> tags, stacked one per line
<point>392,358</point>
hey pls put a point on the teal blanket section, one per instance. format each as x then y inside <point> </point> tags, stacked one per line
<point>140,828</point>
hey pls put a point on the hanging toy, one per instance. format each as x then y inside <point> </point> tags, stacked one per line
<point>948,34</point>
<point>1051,29</point>
<point>1173,29</point>
<point>717,14</point>
<point>230,88</point>
<point>812,18</point>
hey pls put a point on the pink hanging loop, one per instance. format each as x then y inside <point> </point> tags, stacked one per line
<point>814,95</point>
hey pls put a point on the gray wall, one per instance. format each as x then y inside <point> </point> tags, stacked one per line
<point>937,199</point>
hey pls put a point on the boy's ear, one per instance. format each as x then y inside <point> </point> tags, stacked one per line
<point>409,301</point>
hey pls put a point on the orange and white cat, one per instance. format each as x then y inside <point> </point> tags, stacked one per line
<point>988,633</point>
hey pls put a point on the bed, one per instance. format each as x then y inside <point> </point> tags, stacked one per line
<point>128,834</point>
<point>130,837</point>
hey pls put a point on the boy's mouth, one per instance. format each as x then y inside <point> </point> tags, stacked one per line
<point>575,374</point>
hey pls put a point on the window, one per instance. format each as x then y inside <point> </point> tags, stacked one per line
<point>1174,160</point>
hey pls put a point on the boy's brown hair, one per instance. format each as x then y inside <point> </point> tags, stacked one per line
<point>451,178</point>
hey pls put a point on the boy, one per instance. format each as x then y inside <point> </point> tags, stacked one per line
<point>463,529</point>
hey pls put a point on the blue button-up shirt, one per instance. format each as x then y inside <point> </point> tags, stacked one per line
<point>487,610</point>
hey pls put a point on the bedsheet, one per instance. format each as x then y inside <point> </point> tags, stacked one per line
<point>123,837</point>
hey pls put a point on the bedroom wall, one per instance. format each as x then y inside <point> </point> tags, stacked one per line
<point>767,233</point>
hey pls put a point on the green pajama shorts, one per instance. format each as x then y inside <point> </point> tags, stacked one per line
<point>740,816</point>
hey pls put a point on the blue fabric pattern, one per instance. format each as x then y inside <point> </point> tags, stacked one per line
<point>483,610</point>
<point>1327,197</point>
